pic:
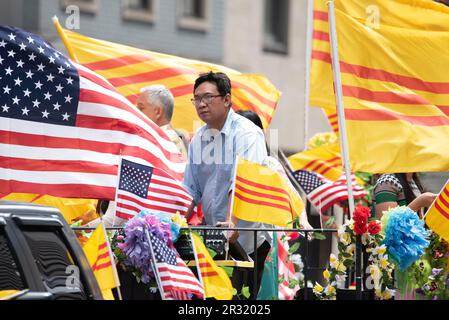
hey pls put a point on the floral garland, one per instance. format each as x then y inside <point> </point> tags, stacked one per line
<point>431,271</point>
<point>379,267</point>
<point>131,247</point>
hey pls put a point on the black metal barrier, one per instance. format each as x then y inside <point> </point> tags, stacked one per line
<point>305,257</point>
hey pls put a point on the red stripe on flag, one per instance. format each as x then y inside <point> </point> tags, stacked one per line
<point>102,266</point>
<point>384,75</point>
<point>117,62</point>
<point>441,210</point>
<point>259,194</point>
<point>209,274</point>
<point>320,15</point>
<point>56,165</point>
<point>262,186</point>
<point>262,203</point>
<point>155,75</point>
<point>87,191</point>
<point>384,115</point>
<point>320,35</point>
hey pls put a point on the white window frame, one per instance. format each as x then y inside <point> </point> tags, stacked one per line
<point>193,23</point>
<point>137,15</point>
<point>84,7</point>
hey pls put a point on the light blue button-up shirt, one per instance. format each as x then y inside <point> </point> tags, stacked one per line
<point>210,168</point>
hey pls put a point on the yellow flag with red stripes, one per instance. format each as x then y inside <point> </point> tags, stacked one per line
<point>437,217</point>
<point>263,195</point>
<point>396,102</point>
<point>325,160</point>
<point>97,253</point>
<point>69,207</point>
<point>130,69</point>
<point>215,280</point>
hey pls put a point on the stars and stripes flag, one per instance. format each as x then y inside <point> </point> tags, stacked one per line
<point>148,188</point>
<point>175,280</point>
<point>63,128</point>
<point>322,192</point>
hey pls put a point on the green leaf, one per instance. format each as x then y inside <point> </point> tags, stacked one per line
<point>211,252</point>
<point>245,292</point>
<point>234,291</point>
<point>348,263</point>
<point>228,270</point>
<point>319,236</point>
<point>294,248</point>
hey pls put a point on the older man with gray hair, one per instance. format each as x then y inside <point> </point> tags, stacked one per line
<point>157,103</point>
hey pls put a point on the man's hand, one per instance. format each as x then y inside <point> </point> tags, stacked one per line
<point>232,235</point>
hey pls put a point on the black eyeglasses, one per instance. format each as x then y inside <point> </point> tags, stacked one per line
<point>207,98</point>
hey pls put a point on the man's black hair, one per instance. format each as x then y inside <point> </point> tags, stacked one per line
<point>220,79</point>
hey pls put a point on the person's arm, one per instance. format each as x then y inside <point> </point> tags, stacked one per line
<point>191,184</point>
<point>231,222</point>
<point>424,200</point>
<point>384,206</point>
<point>190,210</point>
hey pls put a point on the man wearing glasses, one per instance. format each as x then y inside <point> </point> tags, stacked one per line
<point>212,156</point>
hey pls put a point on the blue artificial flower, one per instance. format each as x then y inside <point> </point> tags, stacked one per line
<point>405,236</point>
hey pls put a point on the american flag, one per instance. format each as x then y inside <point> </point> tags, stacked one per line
<point>147,188</point>
<point>63,128</point>
<point>176,280</point>
<point>322,192</point>
<point>286,269</point>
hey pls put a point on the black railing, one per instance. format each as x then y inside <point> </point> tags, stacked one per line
<point>305,257</point>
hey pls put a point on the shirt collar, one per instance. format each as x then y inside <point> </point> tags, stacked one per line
<point>226,130</point>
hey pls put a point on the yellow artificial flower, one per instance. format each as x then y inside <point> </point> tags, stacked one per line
<point>332,258</point>
<point>179,220</point>
<point>384,263</point>
<point>326,274</point>
<point>330,289</point>
<point>345,238</point>
<point>322,138</point>
<point>317,288</point>
<point>341,267</point>
<point>380,250</point>
<point>350,249</point>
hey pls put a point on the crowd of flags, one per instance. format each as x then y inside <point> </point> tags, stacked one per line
<point>68,127</point>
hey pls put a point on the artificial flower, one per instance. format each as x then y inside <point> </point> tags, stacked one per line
<point>317,288</point>
<point>405,236</point>
<point>326,274</point>
<point>330,290</point>
<point>374,227</point>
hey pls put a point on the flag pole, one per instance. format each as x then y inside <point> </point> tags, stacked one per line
<point>234,175</point>
<point>111,257</point>
<point>198,268</point>
<point>308,62</point>
<point>343,136</point>
<point>340,106</point>
<point>116,188</point>
<point>153,266</point>
<point>64,39</point>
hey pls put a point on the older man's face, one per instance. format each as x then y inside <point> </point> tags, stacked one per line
<point>147,108</point>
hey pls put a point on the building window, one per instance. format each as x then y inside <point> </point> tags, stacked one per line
<point>193,14</point>
<point>276,26</point>
<point>138,10</point>
<point>87,6</point>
